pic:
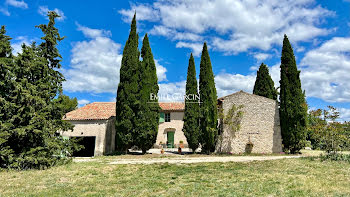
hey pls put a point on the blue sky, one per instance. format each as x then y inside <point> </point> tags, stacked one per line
<point>240,35</point>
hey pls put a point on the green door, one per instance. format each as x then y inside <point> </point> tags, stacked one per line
<point>170,137</point>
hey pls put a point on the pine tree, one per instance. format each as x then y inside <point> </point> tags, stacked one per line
<point>148,114</point>
<point>191,115</point>
<point>264,85</point>
<point>7,108</point>
<point>127,102</point>
<point>33,127</point>
<point>208,106</point>
<point>293,108</point>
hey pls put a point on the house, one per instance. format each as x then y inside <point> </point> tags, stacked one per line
<point>259,128</point>
<point>94,125</point>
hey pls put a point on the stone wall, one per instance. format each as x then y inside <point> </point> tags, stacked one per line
<point>176,123</point>
<point>260,125</point>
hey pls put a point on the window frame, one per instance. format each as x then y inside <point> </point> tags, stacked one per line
<point>167,117</point>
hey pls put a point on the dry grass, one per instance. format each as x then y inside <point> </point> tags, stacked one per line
<point>286,177</point>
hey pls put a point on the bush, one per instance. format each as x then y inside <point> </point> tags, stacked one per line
<point>335,157</point>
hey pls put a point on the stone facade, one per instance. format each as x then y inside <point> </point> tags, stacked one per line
<point>259,125</point>
<point>103,130</point>
<point>175,125</point>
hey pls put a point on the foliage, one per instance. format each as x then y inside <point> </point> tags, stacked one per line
<point>127,102</point>
<point>148,113</point>
<point>335,157</point>
<point>208,106</point>
<point>293,108</point>
<point>232,120</point>
<point>264,85</point>
<point>29,131</point>
<point>65,103</point>
<point>191,114</point>
<point>326,133</point>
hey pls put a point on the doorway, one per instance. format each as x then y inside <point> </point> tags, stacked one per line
<point>170,138</point>
<point>89,146</point>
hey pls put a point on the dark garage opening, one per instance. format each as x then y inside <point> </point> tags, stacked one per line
<point>89,144</point>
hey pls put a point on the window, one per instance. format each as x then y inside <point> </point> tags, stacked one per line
<point>167,117</point>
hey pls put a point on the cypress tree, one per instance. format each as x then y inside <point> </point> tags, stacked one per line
<point>208,106</point>
<point>293,108</point>
<point>264,85</point>
<point>148,114</point>
<point>191,115</point>
<point>127,102</point>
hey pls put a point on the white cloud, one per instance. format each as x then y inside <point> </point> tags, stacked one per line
<point>344,114</point>
<point>93,33</point>
<point>161,70</point>
<point>14,3</point>
<point>18,4</point>
<point>5,11</point>
<point>143,12</point>
<point>174,35</point>
<point>172,92</point>
<point>227,83</point>
<point>43,10</point>
<point>17,45</point>
<point>196,48</point>
<point>95,64</point>
<point>83,102</point>
<point>261,56</point>
<point>240,25</point>
<point>325,71</point>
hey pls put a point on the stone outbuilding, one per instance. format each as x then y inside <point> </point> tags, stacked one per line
<point>259,130</point>
<point>94,125</point>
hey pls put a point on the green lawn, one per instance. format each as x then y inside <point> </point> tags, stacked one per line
<point>287,177</point>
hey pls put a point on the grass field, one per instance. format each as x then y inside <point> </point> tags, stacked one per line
<point>286,177</point>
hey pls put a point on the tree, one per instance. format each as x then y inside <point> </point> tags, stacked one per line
<point>191,114</point>
<point>264,85</point>
<point>330,135</point>
<point>34,140</point>
<point>7,106</point>
<point>208,106</point>
<point>293,107</point>
<point>127,102</point>
<point>65,103</point>
<point>148,114</point>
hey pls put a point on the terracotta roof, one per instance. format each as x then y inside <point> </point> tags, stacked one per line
<point>105,110</point>
<point>92,111</point>
<point>172,106</point>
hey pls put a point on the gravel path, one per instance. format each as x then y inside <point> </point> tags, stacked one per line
<point>184,160</point>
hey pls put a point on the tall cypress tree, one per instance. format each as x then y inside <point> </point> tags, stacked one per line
<point>264,85</point>
<point>293,108</point>
<point>191,116</point>
<point>208,106</point>
<point>147,120</point>
<point>127,102</point>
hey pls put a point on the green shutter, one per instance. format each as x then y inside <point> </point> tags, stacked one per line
<point>161,117</point>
